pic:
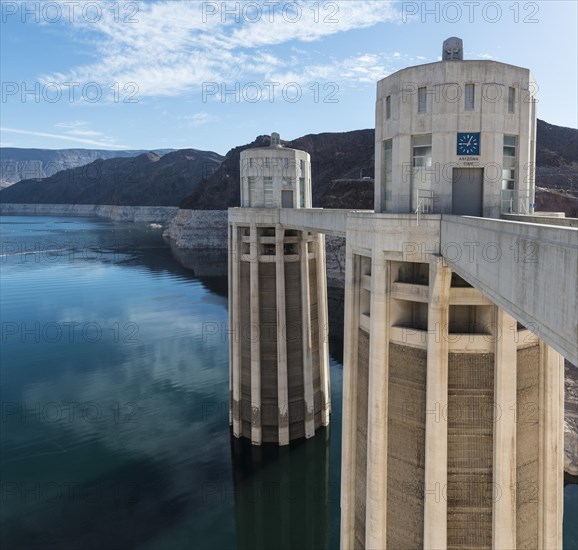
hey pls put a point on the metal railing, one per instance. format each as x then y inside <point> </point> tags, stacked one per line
<point>425,202</point>
<point>516,202</point>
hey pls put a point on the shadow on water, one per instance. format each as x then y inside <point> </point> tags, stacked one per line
<point>121,509</point>
<point>207,262</point>
<point>570,511</point>
<point>283,494</point>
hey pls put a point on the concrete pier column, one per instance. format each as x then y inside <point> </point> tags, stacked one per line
<point>230,230</point>
<point>279,386</point>
<point>379,325</point>
<point>306,339</point>
<point>504,440</point>
<point>235,328</point>
<point>323,328</point>
<point>551,469</point>
<point>349,403</point>
<point>282,387</point>
<point>436,427</point>
<point>255,339</point>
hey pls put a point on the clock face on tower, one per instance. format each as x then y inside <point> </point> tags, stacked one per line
<point>468,143</point>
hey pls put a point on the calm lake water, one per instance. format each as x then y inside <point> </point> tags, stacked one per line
<point>114,402</point>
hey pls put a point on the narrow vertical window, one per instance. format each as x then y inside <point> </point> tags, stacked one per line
<point>421,100</point>
<point>387,172</point>
<point>511,99</point>
<point>268,189</point>
<point>510,158</point>
<point>252,181</point>
<point>422,173</point>
<point>388,107</point>
<point>470,97</point>
<point>302,192</point>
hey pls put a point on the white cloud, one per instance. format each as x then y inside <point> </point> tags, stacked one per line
<point>76,128</point>
<point>86,133</point>
<point>198,119</point>
<point>175,47</point>
<point>348,72</point>
<point>485,56</point>
<point>71,124</point>
<point>103,143</point>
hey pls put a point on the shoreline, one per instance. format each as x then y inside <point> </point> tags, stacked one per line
<point>147,214</point>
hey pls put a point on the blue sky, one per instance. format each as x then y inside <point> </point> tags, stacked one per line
<point>213,75</point>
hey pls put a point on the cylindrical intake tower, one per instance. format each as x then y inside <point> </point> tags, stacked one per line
<point>279,366</point>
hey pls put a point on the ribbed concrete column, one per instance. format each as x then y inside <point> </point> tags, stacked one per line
<point>235,329</point>
<point>436,426</point>
<point>349,404</point>
<point>282,388</point>
<point>323,328</point>
<point>551,489</point>
<point>504,452</point>
<point>376,501</point>
<point>255,340</point>
<point>230,260</point>
<point>306,339</point>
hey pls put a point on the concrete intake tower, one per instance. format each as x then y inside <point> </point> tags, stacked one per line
<point>452,408</point>
<point>279,356</point>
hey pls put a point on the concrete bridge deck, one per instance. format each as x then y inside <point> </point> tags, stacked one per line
<point>528,269</point>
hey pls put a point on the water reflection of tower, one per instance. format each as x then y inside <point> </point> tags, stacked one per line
<point>282,494</point>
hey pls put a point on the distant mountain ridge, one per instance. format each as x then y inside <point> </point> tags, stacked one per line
<point>350,155</point>
<point>336,157</point>
<point>146,180</point>
<point>18,164</point>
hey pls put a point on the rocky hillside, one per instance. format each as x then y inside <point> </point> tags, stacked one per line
<point>145,180</point>
<point>333,156</point>
<point>556,145</point>
<point>20,164</point>
<point>552,200</point>
<point>337,156</point>
<point>349,156</point>
<point>557,169</point>
<point>351,193</point>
